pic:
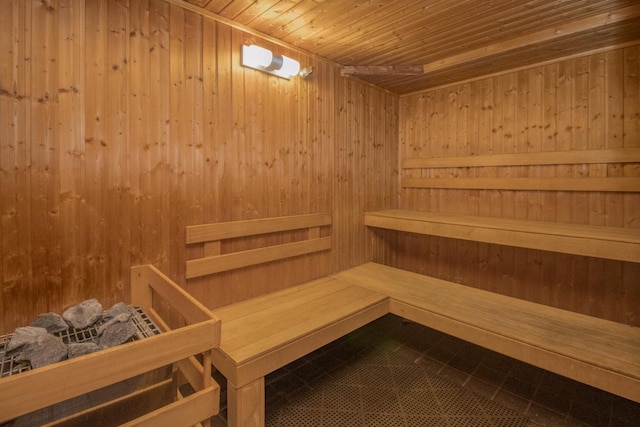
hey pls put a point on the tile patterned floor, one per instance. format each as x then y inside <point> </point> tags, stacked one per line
<point>396,373</point>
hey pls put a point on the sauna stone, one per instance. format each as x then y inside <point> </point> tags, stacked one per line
<point>84,314</point>
<point>116,331</point>
<point>44,350</point>
<point>23,335</point>
<point>118,308</point>
<point>52,322</point>
<point>80,349</point>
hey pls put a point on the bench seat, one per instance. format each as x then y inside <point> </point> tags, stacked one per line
<point>616,243</point>
<point>262,334</point>
<point>265,333</point>
<point>594,351</point>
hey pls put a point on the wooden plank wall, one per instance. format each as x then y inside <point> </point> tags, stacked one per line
<point>121,122</point>
<point>583,103</point>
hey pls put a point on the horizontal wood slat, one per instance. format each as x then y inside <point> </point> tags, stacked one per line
<point>614,155</point>
<point>604,242</point>
<point>216,264</point>
<point>82,375</point>
<point>233,229</point>
<point>188,411</point>
<point>547,184</point>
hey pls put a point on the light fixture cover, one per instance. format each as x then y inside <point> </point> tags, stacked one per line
<point>262,59</point>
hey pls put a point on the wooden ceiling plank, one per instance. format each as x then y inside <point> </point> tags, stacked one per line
<point>391,32</point>
<point>314,16</point>
<point>453,45</point>
<point>286,16</point>
<point>325,25</point>
<point>472,71</point>
<point>560,31</point>
<point>477,31</point>
<point>258,10</point>
<point>215,6</point>
<point>429,28</point>
<point>237,7</point>
<point>358,28</point>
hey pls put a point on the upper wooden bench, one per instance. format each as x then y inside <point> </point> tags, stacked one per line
<point>621,244</point>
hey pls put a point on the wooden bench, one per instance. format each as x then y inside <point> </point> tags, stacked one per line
<point>594,351</point>
<point>262,334</point>
<point>616,243</point>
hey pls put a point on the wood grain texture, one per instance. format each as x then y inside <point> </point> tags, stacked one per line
<point>451,41</point>
<point>124,122</point>
<point>595,351</point>
<point>587,240</point>
<point>579,106</point>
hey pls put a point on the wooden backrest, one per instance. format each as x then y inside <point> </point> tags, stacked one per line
<point>607,183</point>
<point>212,235</point>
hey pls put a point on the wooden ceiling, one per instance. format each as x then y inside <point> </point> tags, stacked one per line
<point>444,40</point>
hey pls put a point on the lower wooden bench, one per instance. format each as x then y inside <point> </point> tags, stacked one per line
<point>594,351</point>
<point>263,334</point>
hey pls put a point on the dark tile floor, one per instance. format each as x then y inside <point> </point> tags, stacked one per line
<point>397,373</point>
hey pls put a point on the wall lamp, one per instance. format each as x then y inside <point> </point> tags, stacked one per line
<point>264,60</point>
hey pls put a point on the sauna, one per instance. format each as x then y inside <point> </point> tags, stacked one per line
<point>336,213</point>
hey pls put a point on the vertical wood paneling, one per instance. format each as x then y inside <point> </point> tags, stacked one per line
<point>45,197</point>
<point>117,138</point>
<point>124,121</point>
<point>583,103</point>
<point>72,148</point>
<point>16,182</point>
<point>139,109</point>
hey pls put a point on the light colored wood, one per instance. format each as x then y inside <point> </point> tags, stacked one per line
<point>97,370</point>
<point>94,371</point>
<point>188,411</point>
<point>595,351</point>
<point>596,241</point>
<point>571,106</point>
<point>404,32</point>
<point>216,264</point>
<point>624,185</point>
<point>308,343</point>
<point>159,127</point>
<point>314,305</point>
<point>561,31</point>
<point>150,277</point>
<point>119,410</point>
<point>246,405</point>
<point>229,230</point>
<point>612,155</point>
<point>382,69</point>
<point>265,333</point>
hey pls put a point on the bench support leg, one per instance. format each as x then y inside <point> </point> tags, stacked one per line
<point>245,405</point>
